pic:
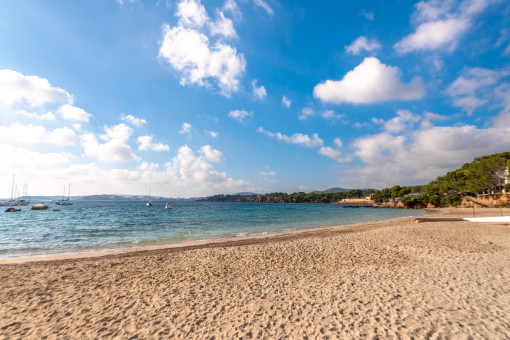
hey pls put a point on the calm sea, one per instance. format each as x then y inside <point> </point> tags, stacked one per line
<point>99,225</point>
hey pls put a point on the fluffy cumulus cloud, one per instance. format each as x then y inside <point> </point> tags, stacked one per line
<point>441,24</point>
<point>145,143</point>
<point>240,115</point>
<point>370,82</point>
<point>332,153</point>
<point>133,120</point>
<point>476,87</point>
<point>223,27</point>
<point>34,115</point>
<point>298,138</point>
<point>191,13</point>
<point>404,120</point>
<point>115,148</point>
<point>210,154</point>
<point>362,44</point>
<point>34,134</point>
<point>259,92</point>
<point>35,151</point>
<point>418,155</point>
<point>188,49</point>
<point>33,90</point>
<point>196,169</point>
<point>74,113</point>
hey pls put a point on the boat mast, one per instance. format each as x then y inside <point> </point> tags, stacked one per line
<point>12,188</point>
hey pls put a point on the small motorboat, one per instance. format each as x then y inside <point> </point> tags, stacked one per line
<point>168,206</point>
<point>40,206</point>
<point>12,209</point>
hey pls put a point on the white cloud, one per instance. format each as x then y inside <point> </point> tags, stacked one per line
<point>232,7</point>
<point>331,115</point>
<point>146,166</point>
<point>121,2</point>
<point>36,116</point>
<point>31,162</point>
<point>404,120</point>
<point>475,87</point>
<point>74,113</point>
<point>185,128</point>
<point>433,35</point>
<point>286,101</point>
<point>362,44</point>
<point>223,26</point>
<point>213,134</point>
<point>191,168</point>
<point>240,115</point>
<point>191,53</point>
<point>267,173</point>
<point>331,153</point>
<point>297,138</point>
<point>147,144</point>
<point>370,82</point>
<point>259,92</point>
<point>441,24</point>
<point>33,134</point>
<point>115,149</point>
<point>305,113</point>
<point>264,5</point>
<point>210,154</point>
<point>35,91</point>
<point>191,13</point>
<point>368,15</point>
<point>338,142</point>
<point>417,156</point>
<point>133,120</point>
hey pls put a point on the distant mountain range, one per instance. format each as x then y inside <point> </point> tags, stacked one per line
<point>332,191</point>
<point>327,191</point>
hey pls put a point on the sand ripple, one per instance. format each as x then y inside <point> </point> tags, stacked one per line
<point>394,280</point>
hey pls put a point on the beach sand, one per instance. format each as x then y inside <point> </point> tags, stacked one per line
<point>394,279</point>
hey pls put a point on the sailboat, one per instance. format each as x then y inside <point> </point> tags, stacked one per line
<point>11,202</point>
<point>65,200</point>
<point>25,199</point>
<point>149,203</point>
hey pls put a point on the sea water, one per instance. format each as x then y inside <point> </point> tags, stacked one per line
<point>102,225</point>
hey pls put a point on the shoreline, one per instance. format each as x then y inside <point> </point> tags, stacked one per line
<point>392,279</point>
<point>229,240</point>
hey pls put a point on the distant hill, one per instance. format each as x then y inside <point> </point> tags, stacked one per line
<point>246,193</point>
<point>332,191</point>
<point>105,197</point>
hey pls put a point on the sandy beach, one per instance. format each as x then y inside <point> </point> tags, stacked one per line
<point>395,279</point>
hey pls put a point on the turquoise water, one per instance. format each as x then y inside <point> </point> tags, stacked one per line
<point>102,225</point>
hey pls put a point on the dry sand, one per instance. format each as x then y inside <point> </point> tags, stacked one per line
<point>389,280</point>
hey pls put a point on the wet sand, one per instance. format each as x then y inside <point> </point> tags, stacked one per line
<point>394,279</point>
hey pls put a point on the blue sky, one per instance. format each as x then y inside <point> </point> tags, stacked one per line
<point>201,97</point>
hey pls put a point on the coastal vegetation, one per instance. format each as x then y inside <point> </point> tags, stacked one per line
<point>483,175</point>
<point>297,197</point>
